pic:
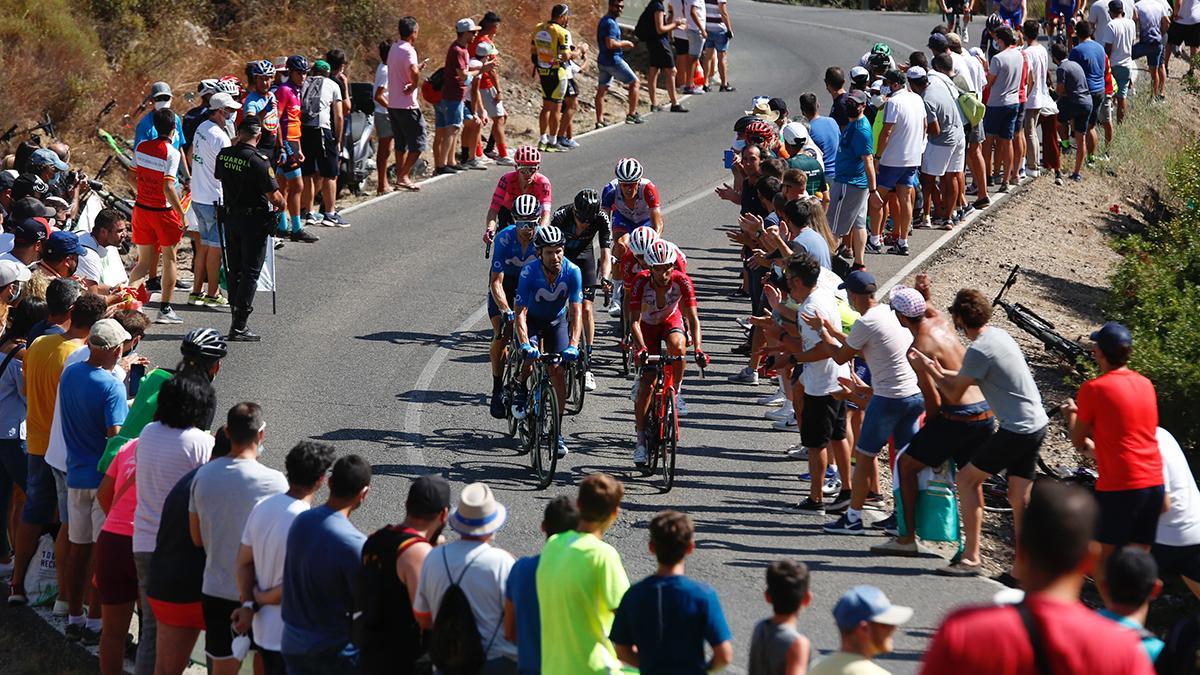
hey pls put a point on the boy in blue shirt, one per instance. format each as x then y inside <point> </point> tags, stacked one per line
<point>1130,584</point>
<point>665,619</point>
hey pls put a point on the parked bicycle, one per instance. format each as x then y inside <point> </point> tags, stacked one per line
<point>1024,318</point>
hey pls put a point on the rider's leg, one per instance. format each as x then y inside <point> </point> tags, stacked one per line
<point>677,346</point>
<point>589,324</point>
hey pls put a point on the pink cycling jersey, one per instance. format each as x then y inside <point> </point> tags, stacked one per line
<point>645,199</point>
<point>643,301</point>
<point>509,189</point>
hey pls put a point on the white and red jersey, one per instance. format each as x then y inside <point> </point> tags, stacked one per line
<point>644,303</point>
<point>153,161</point>
<point>629,267</point>
<point>645,199</point>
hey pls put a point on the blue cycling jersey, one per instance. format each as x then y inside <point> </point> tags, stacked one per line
<point>543,302</point>
<point>508,256</point>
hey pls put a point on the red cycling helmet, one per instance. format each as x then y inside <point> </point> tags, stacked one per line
<point>528,156</point>
<point>761,129</point>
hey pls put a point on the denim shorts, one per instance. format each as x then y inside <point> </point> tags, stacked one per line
<point>41,497</point>
<point>892,177</point>
<point>448,114</point>
<point>618,70</point>
<point>717,41</point>
<point>206,218</point>
<point>1150,49</point>
<point>1001,121</point>
<point>894,418</point>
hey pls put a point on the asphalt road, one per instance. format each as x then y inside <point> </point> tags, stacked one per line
<point>380,347</point>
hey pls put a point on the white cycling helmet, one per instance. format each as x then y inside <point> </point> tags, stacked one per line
<point>641,238</point>
<point>526,207</point>
<point>629,170</point>
<point>661,252</point>
<point>548,236</point>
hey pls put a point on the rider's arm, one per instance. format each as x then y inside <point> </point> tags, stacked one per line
<point>656,219</point>
<point>519,322</point>
<point>498,197</point>
<point>575,322</point>
<point>692,314</point>
<point>496,286</point>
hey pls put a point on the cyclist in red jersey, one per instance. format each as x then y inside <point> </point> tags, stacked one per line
<point>662,298</point>
<point>633,261</point>
<point>526,180</point>
<point>287,96</point>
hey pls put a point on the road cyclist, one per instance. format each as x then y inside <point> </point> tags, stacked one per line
<point>526,179</point>
<point>512,249</point>
<point>581,222</point>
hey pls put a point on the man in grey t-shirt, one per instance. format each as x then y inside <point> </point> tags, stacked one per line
<point>993,362</point>
<point>223,494</point>
<point>947,147</point>
<point>1000,122</point>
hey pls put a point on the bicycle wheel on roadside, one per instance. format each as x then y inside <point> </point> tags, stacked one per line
<point>670,438</point>
<point>546,447</point>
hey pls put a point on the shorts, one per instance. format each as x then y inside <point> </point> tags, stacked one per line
<point>585,260</point>
<point>662,54</point>
<point>206,219</point>
<point>944,438</point>
<point>974,133</point>
<point>618,70</point>
<point>958,158</point>
<point>41,497</point>
<point>1076,115</point>
<point>490,98</point>
<point>408,129</point>
<point>1105,115</point>
<point>691,45</point>
<point>937,158</point>
<point>571,90</point>
<point>116,574</point>
<point>320,152</point>
<point>847,208</point>
<point>1062,11</point>
<point>895,177</point>
<point>894,418</point>
<point>552,336</point>
<point>189,218</point>
<point>218,629</point>
<point>822,420</point>
<point>1152,50</point>
<point>383,125</point>
<point>1010,451</point>
<point>448,113</point>
<point>717,41</point>
<point>1013,18</point>
<point>554,84</point>
<point>622,225</point>
<point>342,659</point>
<point>510,294</point>
<point>1097,104</point>
<point>1000,121</point>
<point>86,516</point>
<point>653,334</point>
<point>1181,560</point>
<point>289,166</point>
<point>155,228</point>
<point>1184,34</point>
<point>1129,516</point>
<point>178,614</point>
<point>1122,76</point>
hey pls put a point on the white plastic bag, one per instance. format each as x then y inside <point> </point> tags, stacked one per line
<point>41,581</point>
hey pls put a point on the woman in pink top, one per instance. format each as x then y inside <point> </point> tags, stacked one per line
<point>116,576</point>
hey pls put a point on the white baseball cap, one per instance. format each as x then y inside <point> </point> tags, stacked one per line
<point>794,133</point>
<point>224,101</point>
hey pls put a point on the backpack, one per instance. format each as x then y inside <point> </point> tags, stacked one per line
<point>310,100</point>
<point>437,79</point>
<point>646,30</point>
<point>455,645</point>
<point>384,627</point>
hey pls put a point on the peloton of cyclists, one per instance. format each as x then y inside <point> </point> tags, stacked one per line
<point>661,299</point>
<point>582,221</point>
<point>548,312</point>
<point>513,248</point>
<point>525,180</point>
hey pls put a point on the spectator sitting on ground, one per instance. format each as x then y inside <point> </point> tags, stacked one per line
<point>1131,583</point>
<point>665,619</point>
<point>867,620</point>
<point>776,647</point>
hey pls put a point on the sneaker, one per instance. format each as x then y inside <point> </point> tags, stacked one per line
<point>874,248</point>
<point>562,448</point>
<point>960,569</point>
<point>1077,178</point>
<point>496,409</point>
<point>913,549</point>
<point>800,453</point>
<point>568,143</point>
<point>677,108</point>
<point>16,596</point>
<point>1003,188</point>
<point>304,236</point>
<point>981,203</point>
<point>553,147</point>
<point>639,455</point>
<point>746,375</point>
<point>1032,173</point>
<point>505,161</point>
<point>845,253</point>
<point>243,335</point>
<point>615,309</point>
<point>310,218</point>
<point>74,632</point>
<point>775,399</point>
<point>693,90</point>
<point>898,249</point>
<point>656,108</point>
<point>195,299</point>
<point>843,525</point>
<point>168,315</point>
<point>217,301</point>
<point>832,485</point>
<point>333,220</point>
<point>807,506</point>
<point>925,223</point>
<point>518,402</point>
<point>785,425</point>
<point>60,608</point>
<point>875,499</point>
<point>841,502</point>
<point>781,413</point>
<point>600,124</point>
<point>89,637</point>
<point>972,189</point>
<point>443,171</point>
<point>635,118</point>
<point>477,164</point>
<point>726,87</point>
<point>1058,179</point>
<point>681,408</point>
<point>589,381</point>
<point>889,525</point>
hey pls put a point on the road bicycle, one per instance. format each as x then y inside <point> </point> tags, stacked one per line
<point>957,21</point>
<point>541,428</point>
<point>662,423</point>
<point>1024,318</point>
<point>576,369</point>
<point>625,343</point>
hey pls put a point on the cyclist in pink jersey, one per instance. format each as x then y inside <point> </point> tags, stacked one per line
<point>287,97</point>
<point>526,180</point>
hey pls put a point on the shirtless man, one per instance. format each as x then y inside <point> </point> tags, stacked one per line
<point>954,427</point>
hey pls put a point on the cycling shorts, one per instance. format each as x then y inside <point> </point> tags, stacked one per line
<point>550,337</point>
<point>510,295</point>
<point>554,84</point>
<point>622,225</point>
<point>653,334</point>
<point>586,261</point>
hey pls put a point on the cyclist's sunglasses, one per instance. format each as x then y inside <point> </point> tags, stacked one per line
<point>527,170</point>
<point>525,224</point>
<point>662,268</point>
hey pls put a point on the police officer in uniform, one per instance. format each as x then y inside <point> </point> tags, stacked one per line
<point>249,213</point>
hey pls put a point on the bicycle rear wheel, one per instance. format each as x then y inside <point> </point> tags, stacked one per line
<point>670,436</point>
<point>653,439</point>
<point>575,390</point>
<point>512,371</point>
<point>546,448</point>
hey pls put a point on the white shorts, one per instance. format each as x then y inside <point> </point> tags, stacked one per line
<point>493,107</point>
<point>936,160</point>
<point>85,518</point>
<point>958,159</point>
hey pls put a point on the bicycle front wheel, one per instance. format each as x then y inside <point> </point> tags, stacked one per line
<point>548,431</point>
<point>670,438</point>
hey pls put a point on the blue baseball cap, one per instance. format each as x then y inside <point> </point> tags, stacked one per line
<point>867,603</point>
<point>47,157</point>
<point>1112,335</point>
<point>859,281</point>
<point>60,245</point>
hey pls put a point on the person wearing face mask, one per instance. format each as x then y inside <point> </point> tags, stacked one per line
<point>211,138</point>
<point>160,95</point>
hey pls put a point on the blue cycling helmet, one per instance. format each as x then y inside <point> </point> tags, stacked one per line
<point>262,68</point>
<point>297,64</point>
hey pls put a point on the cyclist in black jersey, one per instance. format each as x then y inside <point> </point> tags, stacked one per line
<point>581,222</point>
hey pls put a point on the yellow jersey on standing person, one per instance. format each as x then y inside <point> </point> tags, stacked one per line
<point>551,45</point>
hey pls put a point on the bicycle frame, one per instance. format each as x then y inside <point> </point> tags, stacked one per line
<point>1028,321</point>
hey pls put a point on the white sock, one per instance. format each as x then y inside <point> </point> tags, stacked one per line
<point>853,514</point>
<point>902,242</point>
<point>93,624</point>
<point>77,620</point>
<point>875,241</point>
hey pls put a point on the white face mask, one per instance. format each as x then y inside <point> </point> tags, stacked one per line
<point>159,105</point>
<point>877,101</point>
<point>739,144</point>
<point>997,45</point>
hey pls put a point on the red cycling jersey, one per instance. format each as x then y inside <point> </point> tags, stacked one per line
<point>509,189</point>
<point>629,267</point>
<point>643,300</point>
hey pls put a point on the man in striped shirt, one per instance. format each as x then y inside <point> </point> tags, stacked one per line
<point>720,32</point>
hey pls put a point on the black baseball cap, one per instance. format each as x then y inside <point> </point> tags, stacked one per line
<point>29,185</point>
<point>30,207</point>
<point>30,231</point>
<point>489,17</point>
<point>939,42</point>
<point>858,96</point>
<point>250,123</point>
<point>861,282</point>
<point>778,105</point>
<point>6,180</point>
<point>427,496</point>
<point>1111,336</point>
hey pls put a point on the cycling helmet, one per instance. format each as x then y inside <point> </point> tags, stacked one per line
<point>204,343</point>
<point>297,63</point>
<point>262,68</point>
<point>877,61</point>
<point>641,238</point>
<point>229,85</point>
<point>993,22</point>
<point>740,125</point>
<point>761,129</point>
<point>548,236</point>
<point>629,170</point>
<point>526,207</point>
<point>528,156</point>
<point>587,204</point>
<point>881,48</point>
<point>661,252</point>
<point>207,87</point>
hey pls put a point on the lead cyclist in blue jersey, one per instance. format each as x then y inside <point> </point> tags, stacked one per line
<point>513,248</point>
<point>581,222</point>
<point>549,308</point>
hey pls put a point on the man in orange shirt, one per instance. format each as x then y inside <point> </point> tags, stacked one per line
<point>1115,420</point>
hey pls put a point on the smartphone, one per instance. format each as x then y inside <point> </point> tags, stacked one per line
<point>729,159</point>
<point>136,372</point>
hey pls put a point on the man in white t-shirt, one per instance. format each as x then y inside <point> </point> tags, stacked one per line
<point>264,548</point>
<point>1154,21</point>
<point>212,136</point>
<point>1118,37</point>
<point>900,147</point>
<point>1177,542</point>
<point>1184,30</point>
<point>1098,15</point>
<point>383,123</point>
<point>100,266</point>
<point>1003,106</point>
<point>688,40</point>
<point>1038,94</point>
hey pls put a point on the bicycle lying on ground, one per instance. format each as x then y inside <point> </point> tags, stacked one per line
<point>1024,318</point>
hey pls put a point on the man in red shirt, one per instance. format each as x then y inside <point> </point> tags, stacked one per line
<point>1115,420</point>
<point>1055,552</point>
<point>448,117</point>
